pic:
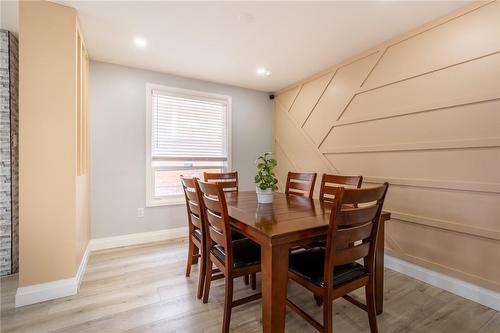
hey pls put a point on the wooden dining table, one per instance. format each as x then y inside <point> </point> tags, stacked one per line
<point>288,222</point>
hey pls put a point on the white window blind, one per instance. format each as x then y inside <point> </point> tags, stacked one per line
<point>188,128</point>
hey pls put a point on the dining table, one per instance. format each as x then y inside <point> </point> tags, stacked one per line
<point>288,222</point>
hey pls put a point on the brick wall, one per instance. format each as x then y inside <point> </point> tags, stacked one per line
<point>9,221</point>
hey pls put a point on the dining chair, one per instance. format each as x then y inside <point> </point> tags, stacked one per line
<point>228,180</point>
<point>233,258</point>
<point>330,184</point>
<point>300,183</point>
<point>334,272</point>
<point>196,240</point>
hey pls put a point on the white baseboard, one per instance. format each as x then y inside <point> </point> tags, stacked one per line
<point>67,287</point>
<point>486,297</point>
<point>136,239</point>
<point>55,289</point>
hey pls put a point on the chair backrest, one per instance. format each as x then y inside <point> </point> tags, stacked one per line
<point>194,212</point>
<point>300,183</point>
<point>353,231</point>
<point>228,180</point>
<point>329,185</point>
<point>217,224</point>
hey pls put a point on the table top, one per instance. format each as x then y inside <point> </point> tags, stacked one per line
<point>285,215</point>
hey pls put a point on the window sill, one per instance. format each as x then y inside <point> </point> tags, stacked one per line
<point>166,202</point>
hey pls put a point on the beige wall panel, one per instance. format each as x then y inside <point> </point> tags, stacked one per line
<point>467,256</point>
<point>432,130</point>
<point>466,37</point>
<point>456,210</point>
<point>283,166</point>
<point>287,98</point>
<point>297,147</point>
<point>308,97</point>
<point>47,142</point>
<point>82,216</point>
<point>335,98</point>
<point>467,165</point>
<point>463,123</point>
<point>466,83</point>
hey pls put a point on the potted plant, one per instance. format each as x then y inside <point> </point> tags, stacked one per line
<point>265,180</point>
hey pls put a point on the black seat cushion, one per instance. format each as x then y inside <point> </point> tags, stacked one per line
<point>235,235</point>
<point>197,233</point>
<point>310,264</point>
<point>245,253</point>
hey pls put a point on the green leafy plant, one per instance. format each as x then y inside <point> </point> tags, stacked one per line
<point>265,178</point>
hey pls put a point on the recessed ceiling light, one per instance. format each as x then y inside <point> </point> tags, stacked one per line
<point>140,42</point>
<point>261,71</point>
<point>246,17</point>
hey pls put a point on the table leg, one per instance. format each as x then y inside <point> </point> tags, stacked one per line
<point>274,287</point>
<point>379,269</point>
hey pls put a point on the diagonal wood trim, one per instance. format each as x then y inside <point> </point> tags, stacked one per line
<point>396,40</point>
<point>484,98</point>
<point>295,98</point>
<point>434,183</point>
<point>322,93</point>
<point>373,68</point>
<point>437,145</point>
<point>362,91</point>
<point>307,139</point>
<point>446,225</point>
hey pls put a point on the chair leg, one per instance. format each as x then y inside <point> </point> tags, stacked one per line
<point>190,257</point>
<point>228,300</point>
<point>208,278</point>
<point>196,251</point>
<point>370,303</point>
<point>327,315</point>
<point>246,280</point>
<point>253,281</point>
<point>201,276</point>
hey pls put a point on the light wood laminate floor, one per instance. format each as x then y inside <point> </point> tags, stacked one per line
<point>143,289</point>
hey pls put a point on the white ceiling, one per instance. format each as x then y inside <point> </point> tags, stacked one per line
<point>226,41</point>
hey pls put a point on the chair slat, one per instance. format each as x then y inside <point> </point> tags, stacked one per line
<point>304,176</point>
<point>343,180</point>
<point>212,204</point>
<point>331,183</point>
<point>300,184</point>
<point>194,208</point>
<point>191,194</point>
<point>195,219</point>
<point>332,190</point>
<point>351,254</point>
<point>216,236</point>
<point>215,220</point>
<point>363,195</point>
<point>228,180</point>
<point>228,185</point>
<point>350,235</point>
<point>227,175</point>
<point>356,216</point>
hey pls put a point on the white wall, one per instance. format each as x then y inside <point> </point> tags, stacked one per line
<point>117,137</point>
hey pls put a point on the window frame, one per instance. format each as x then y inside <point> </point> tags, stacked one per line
<point>151,200</point>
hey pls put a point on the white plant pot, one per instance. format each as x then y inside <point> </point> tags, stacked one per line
<point>264,196</point>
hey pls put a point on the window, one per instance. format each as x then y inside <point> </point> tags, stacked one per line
<point>188,133</point>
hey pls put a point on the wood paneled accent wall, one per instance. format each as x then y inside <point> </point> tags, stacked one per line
<point>421,111</point>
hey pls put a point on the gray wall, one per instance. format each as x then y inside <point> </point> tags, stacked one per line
<point>117,102</point>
